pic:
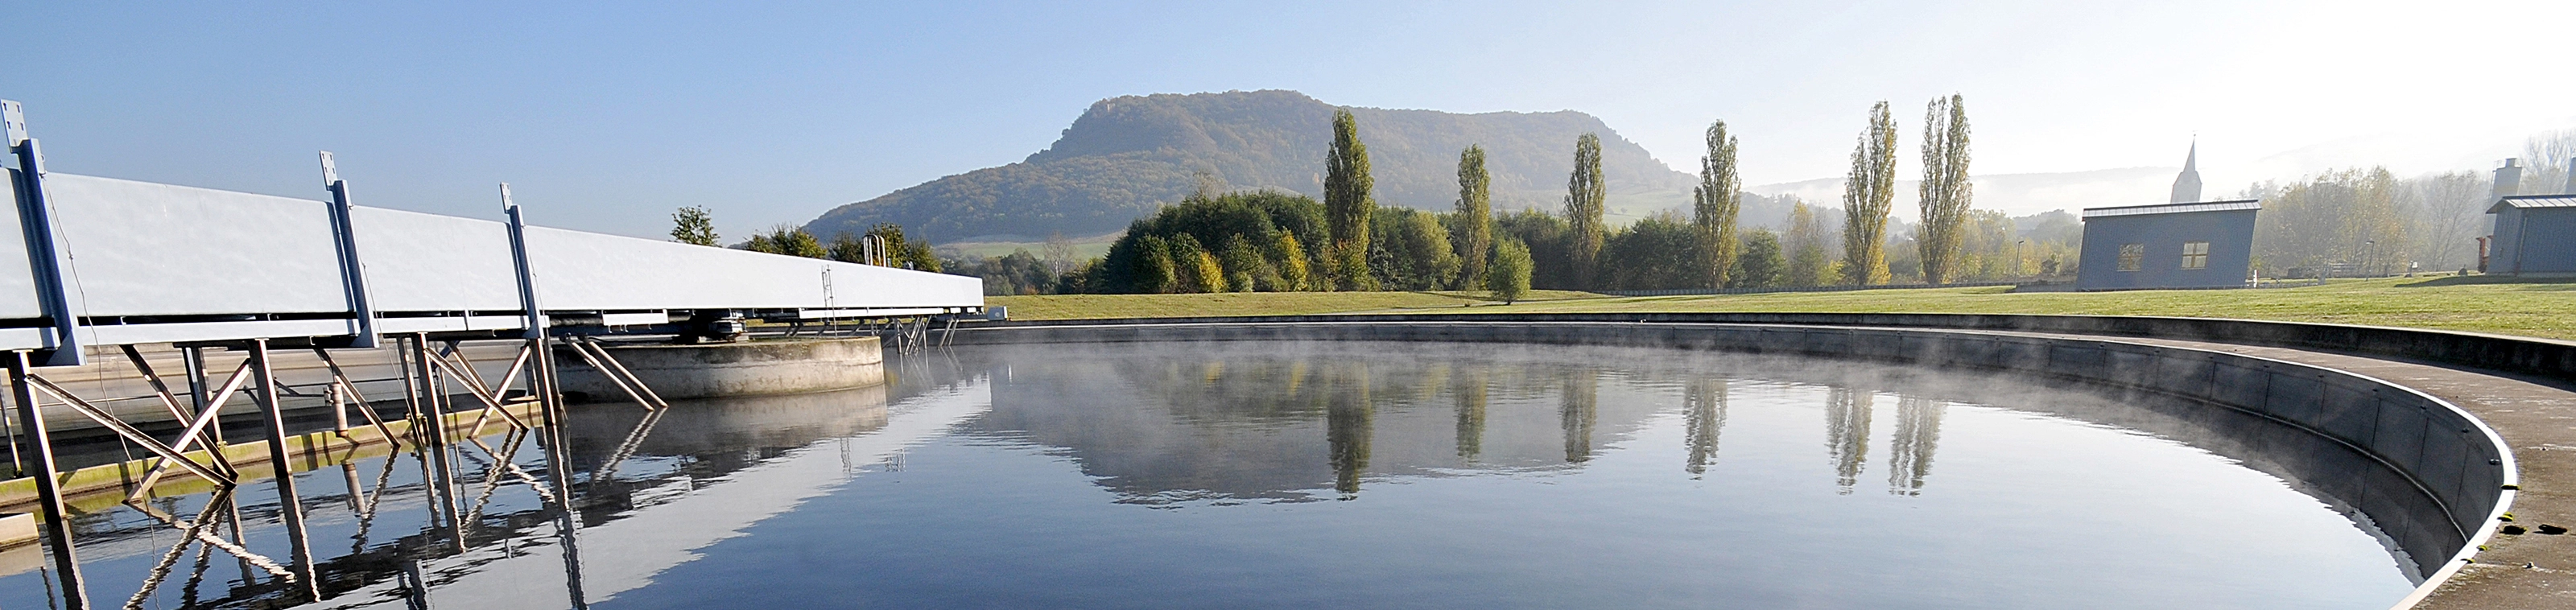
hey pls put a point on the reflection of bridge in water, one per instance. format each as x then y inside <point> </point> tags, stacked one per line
<point>110,265</point>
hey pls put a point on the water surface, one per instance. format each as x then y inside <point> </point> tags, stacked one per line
<point>1296,475</point>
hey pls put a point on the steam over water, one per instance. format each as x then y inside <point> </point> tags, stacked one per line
<point>1260,475</point>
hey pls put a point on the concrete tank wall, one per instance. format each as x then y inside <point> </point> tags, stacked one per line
<point>2556,359</point>
<point>2426,473</point>
<point>750,368</point>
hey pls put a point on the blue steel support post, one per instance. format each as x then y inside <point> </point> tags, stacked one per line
<point>519,258</point>
<point>44,255</point>
<point>362,305</point>
<point>542,383</point>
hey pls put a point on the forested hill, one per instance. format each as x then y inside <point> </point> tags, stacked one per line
<point>1127,155</point>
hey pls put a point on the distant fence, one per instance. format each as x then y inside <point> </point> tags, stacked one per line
<point>1707,291</point>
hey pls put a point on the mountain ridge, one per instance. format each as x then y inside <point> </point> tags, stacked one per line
<point>1127,155</point>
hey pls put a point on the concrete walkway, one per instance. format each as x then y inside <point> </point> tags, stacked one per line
<point>2537,418</point>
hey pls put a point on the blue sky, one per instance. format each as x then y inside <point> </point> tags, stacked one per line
<point>607,116</point>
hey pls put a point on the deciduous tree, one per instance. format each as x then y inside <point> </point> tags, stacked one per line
<point>1761,264</point>
<point>1509,276</point>
<point>694,225</point>
<point>788,240</point>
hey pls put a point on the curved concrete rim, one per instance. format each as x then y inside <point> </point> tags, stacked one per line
<point>1961,324</point>
<point>2486,351</point>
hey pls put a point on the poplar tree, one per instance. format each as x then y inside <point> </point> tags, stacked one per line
<point>1475,216</point>
<point>1945,189</point>
<point>1869,192</point>
<point>1348,205</point>
<point>1585,193</point>
<point>1715,202</point>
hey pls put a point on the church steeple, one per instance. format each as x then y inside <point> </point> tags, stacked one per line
<point>2186,188</point>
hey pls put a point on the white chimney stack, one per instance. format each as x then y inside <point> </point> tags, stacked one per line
<point>2508,179</point>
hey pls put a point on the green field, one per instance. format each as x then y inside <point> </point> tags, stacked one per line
<point>2473,303</point>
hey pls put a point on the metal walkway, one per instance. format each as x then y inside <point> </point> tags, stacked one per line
<point>118,262</point>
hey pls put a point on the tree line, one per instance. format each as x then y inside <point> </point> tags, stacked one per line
<point>2370,221</point>
<point>1277,241</point>
<point>1243,241</point>
<point>2342,222</point>
<point>883,244</point>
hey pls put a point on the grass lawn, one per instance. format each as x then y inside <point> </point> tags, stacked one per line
<point>2472,303</point>
<point>1082,306</point>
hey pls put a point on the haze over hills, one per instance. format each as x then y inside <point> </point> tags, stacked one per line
<point>1127,155</point>
<point>2016,194</point>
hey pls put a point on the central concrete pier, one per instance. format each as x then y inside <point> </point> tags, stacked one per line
<point>748,368</point>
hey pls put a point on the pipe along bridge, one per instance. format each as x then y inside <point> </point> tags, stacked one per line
<point>113,264</point>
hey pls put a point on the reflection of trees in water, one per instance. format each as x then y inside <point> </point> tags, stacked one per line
<point>1847,434</point>
<point>1162,426</point>
<point>1470,394</point>
<point>1706,399</point>
<point>1240,390</point>
<point>1581,408</point>
<point>1348,417</point>
<point>1918,429</point>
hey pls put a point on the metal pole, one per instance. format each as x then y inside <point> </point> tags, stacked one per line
<point>290,507</point>
<point>49,493</point>
<point>362,305</point>
<point>542,383</point>
<point>45,258</point>
<point>194,358</point>
<point>549,397</point>
<point>434,416</point>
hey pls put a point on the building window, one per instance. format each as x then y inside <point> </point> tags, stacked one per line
<point>2195,255</point>
<point>2132,256</point>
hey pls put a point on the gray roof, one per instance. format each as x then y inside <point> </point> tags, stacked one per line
<point>2534,201</point>
<point>2175,208</point>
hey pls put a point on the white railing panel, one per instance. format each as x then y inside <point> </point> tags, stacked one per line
<point>145,249</point>
<point>17,279</point>
<point>591,271</point>
<point>586,271</point>
<point>428,262</point>
<point>871,286</point>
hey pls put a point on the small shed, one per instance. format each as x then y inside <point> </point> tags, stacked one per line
<point>2534,235</point>
<point>2207,244</point>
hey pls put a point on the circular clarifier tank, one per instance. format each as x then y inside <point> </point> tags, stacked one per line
<point>1403,475</point>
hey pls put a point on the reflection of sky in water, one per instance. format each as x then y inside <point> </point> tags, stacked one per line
<point>1377,476</point>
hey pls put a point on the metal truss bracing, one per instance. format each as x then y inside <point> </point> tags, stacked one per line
<point>452,406</point>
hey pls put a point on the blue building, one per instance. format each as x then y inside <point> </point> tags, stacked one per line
<point>2185,244</point>
<point>2534,235</point>
<point>2206,244</point>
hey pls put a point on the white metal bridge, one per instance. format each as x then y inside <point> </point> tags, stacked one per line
<point>118,262</point>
